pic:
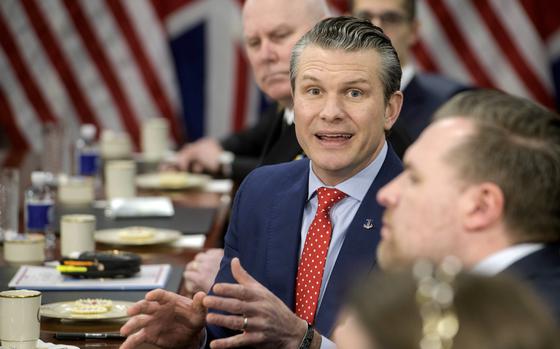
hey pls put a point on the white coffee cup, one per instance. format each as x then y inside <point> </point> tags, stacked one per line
<point>76,233</point>
<point>115,145</point>
<point>76,190</point>
<point>20,318</point>
<point>155,138</point>
<point>120,179</point>
<point>25,249</point>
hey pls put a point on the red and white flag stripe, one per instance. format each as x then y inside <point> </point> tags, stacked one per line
<point>102,62</point>
<point>109,62</point>
<point>493,43</point>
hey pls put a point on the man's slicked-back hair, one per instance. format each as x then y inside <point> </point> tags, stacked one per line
<point>516,145</point>
<point>352,34</point>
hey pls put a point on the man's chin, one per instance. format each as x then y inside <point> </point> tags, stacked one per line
<point>278,91</point>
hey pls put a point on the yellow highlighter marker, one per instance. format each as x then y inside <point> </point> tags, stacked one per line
<point>71,269</point>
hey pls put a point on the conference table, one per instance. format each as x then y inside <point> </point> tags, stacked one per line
<point>196,212</point>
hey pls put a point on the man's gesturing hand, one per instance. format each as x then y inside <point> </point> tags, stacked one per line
<point>269,322</point>
<point>165,319</point>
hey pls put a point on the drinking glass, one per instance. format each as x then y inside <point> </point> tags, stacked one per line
<point>9,202</point>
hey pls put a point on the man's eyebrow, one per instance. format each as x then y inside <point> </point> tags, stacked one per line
<point>280,27</point>
<point>357,81</point>
<point>272,31</point>
<point>309,77</point>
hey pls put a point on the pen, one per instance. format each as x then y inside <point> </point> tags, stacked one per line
<point>82,336</point>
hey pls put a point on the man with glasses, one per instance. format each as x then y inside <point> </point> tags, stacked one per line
<point>423,93</point>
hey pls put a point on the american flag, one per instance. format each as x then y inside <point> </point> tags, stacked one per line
<point>116,63</point>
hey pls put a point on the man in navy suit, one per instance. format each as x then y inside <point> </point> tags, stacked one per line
<point>423,93</point>
<point>345,77</point>
<point>481,183</point>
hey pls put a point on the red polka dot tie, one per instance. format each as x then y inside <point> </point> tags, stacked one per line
<point>314,256</point>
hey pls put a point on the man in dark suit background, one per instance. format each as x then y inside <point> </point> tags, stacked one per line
<point>481,183</point>
<point>272,139</point>
<point>423,92</point>
<point>303,229</point>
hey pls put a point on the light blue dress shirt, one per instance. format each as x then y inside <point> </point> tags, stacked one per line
<point>342,214</point>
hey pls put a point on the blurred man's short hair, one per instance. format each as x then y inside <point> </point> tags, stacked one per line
<point>516,146</point>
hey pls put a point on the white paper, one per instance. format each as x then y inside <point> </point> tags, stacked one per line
<point>45,278</point>
<point>151,206</point>
<point>43,345</point>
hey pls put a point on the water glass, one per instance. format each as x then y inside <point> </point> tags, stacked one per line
<point>9,202</point>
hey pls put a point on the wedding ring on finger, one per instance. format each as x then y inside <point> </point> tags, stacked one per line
<point>245,323</point>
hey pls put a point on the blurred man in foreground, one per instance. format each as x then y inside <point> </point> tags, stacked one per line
<point>423,93</point>
<point>270,29</point>
<point>469,311</point>
<point>481,183</point>
<point>304,229</point>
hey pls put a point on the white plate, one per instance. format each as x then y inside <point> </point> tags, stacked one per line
<point>171,180</point>
<point>63,310</point>
<point>161,236</point>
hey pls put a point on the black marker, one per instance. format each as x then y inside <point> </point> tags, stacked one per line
<point>82,336</point>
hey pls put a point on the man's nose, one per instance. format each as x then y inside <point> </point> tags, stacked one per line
<point>332,108</point>
<point>267,52</point>
<point>388,195</point>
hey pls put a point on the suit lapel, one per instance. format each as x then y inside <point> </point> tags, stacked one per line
<point>275,132</point>
<point>283,234</point>
<point>359,247</point>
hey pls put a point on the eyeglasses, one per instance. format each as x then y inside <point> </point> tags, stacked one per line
<point>389,18</point>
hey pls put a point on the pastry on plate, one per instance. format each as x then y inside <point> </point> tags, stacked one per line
<point>136,234</point>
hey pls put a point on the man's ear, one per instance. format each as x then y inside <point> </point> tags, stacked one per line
<point>482,206</point>
<point>392,109</point>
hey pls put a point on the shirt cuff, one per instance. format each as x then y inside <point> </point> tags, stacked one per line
<point>327,343</point>
<point>226,159</point>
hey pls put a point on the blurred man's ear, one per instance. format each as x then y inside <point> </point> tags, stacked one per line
<point>483,206</point>
<point>392,109</point>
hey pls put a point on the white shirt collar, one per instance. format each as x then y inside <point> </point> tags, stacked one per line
<point>408,72</point>
<point>289,116</point>
<point>499,261</point>
<point>353,186</point>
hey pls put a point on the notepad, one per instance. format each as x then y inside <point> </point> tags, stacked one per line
<point>49,279</point>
